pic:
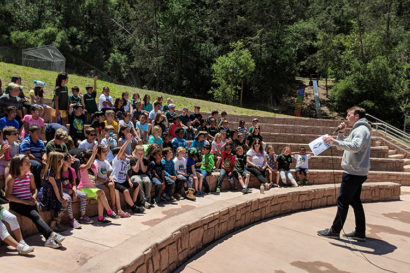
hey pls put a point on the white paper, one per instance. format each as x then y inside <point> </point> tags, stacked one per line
<point>318,146</point>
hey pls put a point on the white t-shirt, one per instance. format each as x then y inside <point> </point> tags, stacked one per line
<point>102,99</point>
<point>302,160</point>
<point>152,115</point>
<point>123,123</point>
<point>111,146</point>
<point>119,169</point>
<point>103,168</point>
<point>127,106</point>
<point>180,164</point>
<point>257,158</point>
<point>86,145</point>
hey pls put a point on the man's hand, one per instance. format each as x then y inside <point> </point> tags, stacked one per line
<point>329,139</point>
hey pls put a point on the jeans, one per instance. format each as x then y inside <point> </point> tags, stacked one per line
<point>36,170</point>
<point>288,174</point>
<point>204,182</point>
<point>158,185</point>
<point>169,185</point>
<point>256,172</point>
<point>221,177</point>
<point>350,190</point>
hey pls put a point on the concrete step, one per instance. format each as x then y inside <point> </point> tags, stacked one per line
<point>406,168</point>
<point>398,156</point>
<point>392,152</point>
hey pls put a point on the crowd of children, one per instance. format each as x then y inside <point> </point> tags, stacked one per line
<point>120,147</point>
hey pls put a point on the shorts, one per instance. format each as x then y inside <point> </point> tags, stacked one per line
<point>91,192</point>
<point>121,187</point>
<point>243,174</point>
<point>100,185</point>
<point>300,170</point>
<point>63,113</point>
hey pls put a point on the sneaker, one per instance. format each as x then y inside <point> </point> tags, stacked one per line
<point>267,186</point>
<point>328,233</point>
<point>147,205</point>
<point>124,214</point>
<point>51,243</point>
<point>299,183</point>
<point>75,224</point>
<point>58,238</point>
<point>137,209</point>
<point>306,181</point>
<point>85,220</point>
<point>177,196</point>
<point>218,190</point>
<point>244,191</point>
<point>23,248</point>
<point>172,199</point>
<point>114,215</point>
<point>356,236</point>
<point>103,221</point>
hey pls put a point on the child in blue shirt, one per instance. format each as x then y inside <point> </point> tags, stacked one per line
<point>170,175</point>
<point>10,118</point>
<point>179,140</point>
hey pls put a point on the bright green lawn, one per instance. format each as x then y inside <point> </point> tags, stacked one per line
<point>29,74</point>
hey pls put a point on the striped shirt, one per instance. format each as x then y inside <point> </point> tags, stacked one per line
<point>21,188</point>
<point>35,148</point>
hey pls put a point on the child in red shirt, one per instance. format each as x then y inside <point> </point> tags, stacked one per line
<point>228,163</point>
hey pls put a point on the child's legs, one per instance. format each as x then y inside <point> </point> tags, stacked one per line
<point>169,185</point>
<point>247,178</point>
<point>11,219</point>
<point>204,182</point>
<point>117,200</point>
<point>270,174</point>
<point>200,180</point>
<point>103,198</point>
<point>277,176</point>
<point>283,176</point>
<point>290,177</point>
<point>221,177</point>
<point>307,175</point>
<point>218,162</point>
<point>83,201</point>
<point>136,191</point>
<point>158,185</point>
<point>111,188</point>
<point>5,235</point>
<point>123,188</point>
<point>69,205</point>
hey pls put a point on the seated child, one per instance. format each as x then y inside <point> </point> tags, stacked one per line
<point>122,182</point>
<point>143,128</point>
<point>180,165</point>
<point>90,141</point>
<point>10,118</point>
<point>179,140</point>
<point>33,119</point>
<point>77,121</point>
<point>88,171</point>
<point>156,136</point>
<point>139,174</point>
<point>69,177</point>
<point>109,119</point>
<point>216,149</point>
<point>21,191</point>
<point>239,169</point>
<point>228,163</point>
<point>195,175</point>
<point>75,98</point>
<point>207,165</point>
<point>109,141</point>
<point>170,176</point>
<point>22,247</point>
<point>98,124</point>
<point>284,161</point>
<point>122,138</point>
<point>302,164</point>
<point>156,169</point>
<point>272,165</point>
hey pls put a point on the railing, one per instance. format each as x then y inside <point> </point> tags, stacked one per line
<point>389,133</point>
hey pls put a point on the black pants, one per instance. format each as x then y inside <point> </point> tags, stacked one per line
<point>259,174</point>
<point>32,213</point>
<point>350,191</point>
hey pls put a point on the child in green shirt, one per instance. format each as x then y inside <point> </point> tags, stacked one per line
<point>207,165</point>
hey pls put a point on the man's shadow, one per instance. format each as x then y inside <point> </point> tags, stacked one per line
<point>376,246</point>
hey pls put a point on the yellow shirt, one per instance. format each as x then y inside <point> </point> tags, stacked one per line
<point>113,124</point>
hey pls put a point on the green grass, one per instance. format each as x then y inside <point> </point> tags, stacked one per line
<point>29,74</point>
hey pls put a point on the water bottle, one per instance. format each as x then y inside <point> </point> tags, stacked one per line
<point>111,137</point>
<point>262,188</point>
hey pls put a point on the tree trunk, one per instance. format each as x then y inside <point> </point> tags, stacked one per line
<point>241,92</point>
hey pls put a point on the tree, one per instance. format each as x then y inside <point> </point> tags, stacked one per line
<point>232,70</point>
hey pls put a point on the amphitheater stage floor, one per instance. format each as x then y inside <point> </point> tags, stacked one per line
<point>281,244</point>
<point>289,244</point>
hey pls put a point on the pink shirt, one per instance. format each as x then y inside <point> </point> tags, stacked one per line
<point>87,180</point>
<point>21,187</point>
<point>29,119</point>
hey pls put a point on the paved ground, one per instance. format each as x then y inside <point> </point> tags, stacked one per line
<point>290,244</point>
<point>284,244</point>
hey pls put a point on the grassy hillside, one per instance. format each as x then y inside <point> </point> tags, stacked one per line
<point>29,74</point>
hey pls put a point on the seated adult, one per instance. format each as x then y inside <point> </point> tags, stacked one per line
<point>12,99</point>
<point>257,162</point>
<point>58,143</point>
<point>34,148</point>
<point>51,129</point>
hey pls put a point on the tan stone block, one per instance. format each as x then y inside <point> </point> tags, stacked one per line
<point>315,203</point>
<point>172,253</point>
<point>149,266</point>
<point>256,215</point>
<point>171,267</point>
<point>182,255</point>
<point>141,269</point>
<point>209,236</point>
<point>195,238</point>
<point>255,205</point>
<point>307,204</point>
<point>156,259</point>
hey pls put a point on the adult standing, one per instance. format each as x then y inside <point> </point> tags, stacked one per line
<point>356,165</point>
